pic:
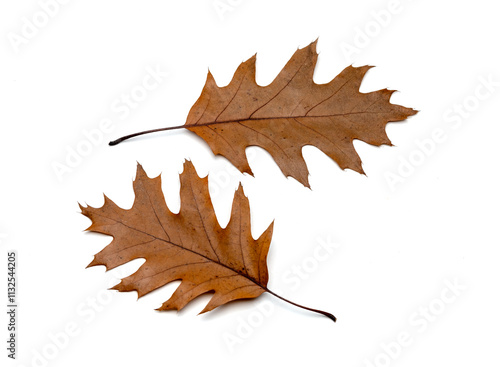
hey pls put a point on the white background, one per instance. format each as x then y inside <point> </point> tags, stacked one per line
<point>394,248</point>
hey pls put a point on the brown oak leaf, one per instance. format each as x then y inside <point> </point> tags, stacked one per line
<point>291,112</point>
<point>189,246</point>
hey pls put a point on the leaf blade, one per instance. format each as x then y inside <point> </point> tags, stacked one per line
<point>292,112</point>
<point>189,246</point>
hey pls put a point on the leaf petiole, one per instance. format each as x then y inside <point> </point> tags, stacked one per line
<point>126,137</point>
<point>324,313</point>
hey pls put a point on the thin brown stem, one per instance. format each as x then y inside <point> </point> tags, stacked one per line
<point>324,313</point>
<point>118,141</point>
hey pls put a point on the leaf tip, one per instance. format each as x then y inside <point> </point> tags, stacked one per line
<point>95,262</point>
<point>167,307</point>
<point>314,45</point>
<point>239,190</point>
<point>210,81</point>
<point>306,183</point>
<point>202,312</point>
<point>357,168</point>
<point>117,287</point>
<point>140,173</point>
<point>188,168</point>
<point>82,208</point>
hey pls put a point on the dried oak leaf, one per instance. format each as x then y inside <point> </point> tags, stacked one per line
<point>290,113</point>
<point>189,246</point>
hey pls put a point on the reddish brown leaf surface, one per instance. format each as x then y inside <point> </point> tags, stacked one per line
<point>189,246</point>
<point>290,113</point>
<point>293,112</point>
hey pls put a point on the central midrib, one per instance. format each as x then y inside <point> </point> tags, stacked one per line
<point>271,118</point>
<point>186,249</point>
